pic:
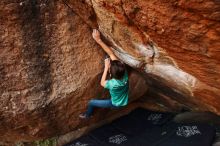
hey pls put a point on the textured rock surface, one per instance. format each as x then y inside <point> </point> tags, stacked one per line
<point>173,42</point>
<point>50,66</point>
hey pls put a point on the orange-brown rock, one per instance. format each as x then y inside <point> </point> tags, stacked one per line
<point>50,66</point>
<point>175,43</point>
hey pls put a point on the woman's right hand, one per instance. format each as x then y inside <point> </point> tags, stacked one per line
<point>107,63</point>
<point>96,35</point>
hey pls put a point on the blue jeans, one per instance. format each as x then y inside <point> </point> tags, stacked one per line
<point>103,103</point>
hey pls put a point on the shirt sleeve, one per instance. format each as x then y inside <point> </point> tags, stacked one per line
<point>108,84</point>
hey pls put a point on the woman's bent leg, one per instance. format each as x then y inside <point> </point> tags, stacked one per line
<point>103,103</point>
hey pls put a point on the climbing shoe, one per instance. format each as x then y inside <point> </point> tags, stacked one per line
<point>83,116</point>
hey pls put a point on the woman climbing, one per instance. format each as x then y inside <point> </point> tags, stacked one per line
<point>118,84</point>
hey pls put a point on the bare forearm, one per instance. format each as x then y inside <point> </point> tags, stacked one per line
<point>104,76</point>
<point>107,49</point>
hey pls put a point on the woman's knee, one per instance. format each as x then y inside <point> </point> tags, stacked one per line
<point>91,102</point>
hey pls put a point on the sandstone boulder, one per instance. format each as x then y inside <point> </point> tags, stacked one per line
<point>50,66</point>
<point>175,44</point>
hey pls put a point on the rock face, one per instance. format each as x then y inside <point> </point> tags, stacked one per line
<point>50,66</point>
<point>174,42</point>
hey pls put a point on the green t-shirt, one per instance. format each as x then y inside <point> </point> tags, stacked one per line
<point>118,90</point>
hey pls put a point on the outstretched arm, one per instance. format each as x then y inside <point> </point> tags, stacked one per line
<point>107,49</point>
<point>104,75</point>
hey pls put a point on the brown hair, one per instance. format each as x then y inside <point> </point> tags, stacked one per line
<point>117,69</point>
